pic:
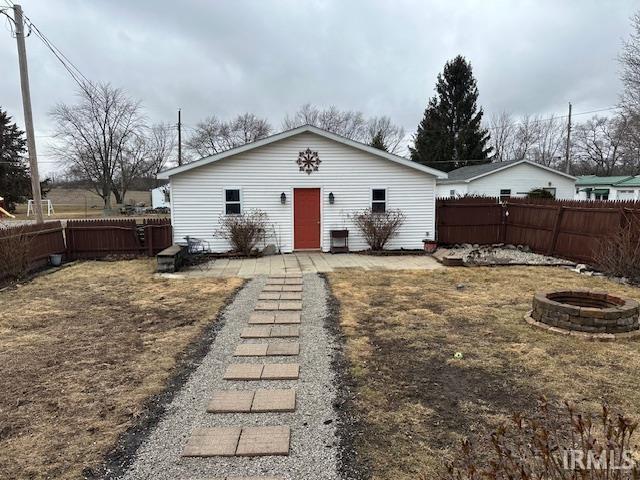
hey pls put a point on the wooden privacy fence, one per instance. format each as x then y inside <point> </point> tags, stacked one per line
<point>100,238</point>
<point>569,229</point>
<point>33,243</point>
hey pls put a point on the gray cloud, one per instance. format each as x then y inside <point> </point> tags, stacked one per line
<point>269,57</point>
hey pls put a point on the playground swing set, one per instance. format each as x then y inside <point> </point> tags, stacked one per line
<point>47,206</point>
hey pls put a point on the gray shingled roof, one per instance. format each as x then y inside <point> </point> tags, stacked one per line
<point>465,173</point>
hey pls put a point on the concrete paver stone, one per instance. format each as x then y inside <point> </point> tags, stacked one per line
<point>209,442</point>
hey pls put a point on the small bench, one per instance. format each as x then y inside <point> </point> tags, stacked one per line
<point>170,259</point>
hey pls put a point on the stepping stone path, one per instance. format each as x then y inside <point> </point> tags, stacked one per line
<point>277,314</point>
<point>260,404</point>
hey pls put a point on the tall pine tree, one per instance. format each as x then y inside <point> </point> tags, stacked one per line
<point>378,141</point>
<point>15,183</point>
<point>451,135</point>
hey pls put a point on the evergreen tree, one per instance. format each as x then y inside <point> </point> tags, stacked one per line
<point>378,141</point>
<point>15,183</point>
<point>451,135</point>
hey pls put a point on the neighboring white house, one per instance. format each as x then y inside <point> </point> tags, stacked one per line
<point>161,197</point>
<point>623,187</point>
<point>506,179</point>
<point>309,182</point>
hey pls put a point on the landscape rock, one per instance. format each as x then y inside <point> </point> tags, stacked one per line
<point>270,249</point>
<point>505,255</point>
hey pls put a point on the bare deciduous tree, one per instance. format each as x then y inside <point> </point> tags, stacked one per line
<point>389,134</point>
<point>213,135</point>
<point>95,136</point>
<point>630,60</point>
<point>548,141</point>
<point>536,138</point>
<point>502,136</point>
<point>161,141</point>
<point>350,124</point>
<point>599,143</point>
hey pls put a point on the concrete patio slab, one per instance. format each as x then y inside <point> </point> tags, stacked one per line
<point>292,265</point>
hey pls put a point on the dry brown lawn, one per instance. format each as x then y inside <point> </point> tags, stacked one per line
<point>80,352</point>
<point>417,402</point>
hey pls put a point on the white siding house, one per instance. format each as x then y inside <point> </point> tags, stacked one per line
<point>622,187</point>
<point>506,179</point>
<point>265,175</point>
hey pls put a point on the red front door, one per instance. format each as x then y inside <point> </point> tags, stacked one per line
<point>306,218</point>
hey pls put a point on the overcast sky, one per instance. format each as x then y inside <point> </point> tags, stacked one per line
<point>269,57</point>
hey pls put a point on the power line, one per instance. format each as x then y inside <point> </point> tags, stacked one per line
<point>76,74</point>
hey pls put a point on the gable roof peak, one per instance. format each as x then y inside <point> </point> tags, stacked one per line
<point>295,131</point>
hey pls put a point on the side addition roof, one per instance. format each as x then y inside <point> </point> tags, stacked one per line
<point>473,172</point>
<point>594,180</point>
<point>290,133</point>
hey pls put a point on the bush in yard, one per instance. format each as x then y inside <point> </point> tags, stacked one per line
<point>243,231</point>
<point>619,256</point>
<point>15,244</point>
<point>568,445</point>
<point>540,193</point>
<point>378,227</point>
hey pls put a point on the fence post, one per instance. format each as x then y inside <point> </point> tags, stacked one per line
<point>69,240</point>
<point>148,238</point>
<point>556,231</point>
<point>503,223</point>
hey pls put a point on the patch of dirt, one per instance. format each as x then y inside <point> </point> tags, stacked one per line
<point>82,351</point>
<point>349,423</point>
<point>416,399</point>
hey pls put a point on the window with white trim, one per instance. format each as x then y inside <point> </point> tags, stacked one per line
<point>232,201</point>
<point>379,200</point>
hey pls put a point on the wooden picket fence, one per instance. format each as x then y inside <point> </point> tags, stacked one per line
<point>568,229</point>
<point>88,239</point>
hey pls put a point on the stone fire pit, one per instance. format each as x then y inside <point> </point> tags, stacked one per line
<point>586,313</point>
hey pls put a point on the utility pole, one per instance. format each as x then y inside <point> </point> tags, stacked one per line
<point>28,115</point>
<point>179,139</point>
<point>568,168</point>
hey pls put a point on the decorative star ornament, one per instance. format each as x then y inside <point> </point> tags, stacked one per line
<point>308,161</point>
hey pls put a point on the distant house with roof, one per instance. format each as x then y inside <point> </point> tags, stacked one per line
<point>619,187</point>
<point>514,178</point>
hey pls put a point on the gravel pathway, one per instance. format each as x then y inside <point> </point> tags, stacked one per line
<point>313,451</point>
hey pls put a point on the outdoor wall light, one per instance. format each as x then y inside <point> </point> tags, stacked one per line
<point>332,198</point>
<point>283,198</point>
